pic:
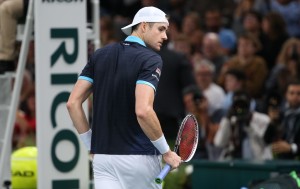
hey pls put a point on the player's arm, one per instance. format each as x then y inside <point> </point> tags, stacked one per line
<point>145,114</point>
<point>79,94</point>
<point>149,123</point>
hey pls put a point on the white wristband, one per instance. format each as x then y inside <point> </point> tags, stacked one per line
<point>86,138</point>
<point>294,148</point>
<point>161,145</point>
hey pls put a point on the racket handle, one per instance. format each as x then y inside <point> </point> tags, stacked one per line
<point>159,179</point>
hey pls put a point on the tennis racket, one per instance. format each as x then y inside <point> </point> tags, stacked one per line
<point>185,145</point>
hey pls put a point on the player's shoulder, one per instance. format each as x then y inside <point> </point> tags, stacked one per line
<point>142,52</point>
<point>105,50</point>
<point>107,47</point>
<point>150,57</point>
<point>149,53</point>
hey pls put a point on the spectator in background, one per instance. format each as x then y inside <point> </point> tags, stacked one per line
<point>204,72</point>
<point>285,137</point>
<point>242,7</point>
<point>274,36</point>
<point>246,61</point>
<point>252,24</point>
<point>190,23</point>
<point>196,40</point>
<point>176,75</point>
<point>213,23</point>
<point>10,12</point>
<point>241,132</point>
<point>286,69</point>
<point>182,45</point>
<point>212,51</point>
<point>190,27</point>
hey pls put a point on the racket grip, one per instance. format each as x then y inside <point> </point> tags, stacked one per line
<point>159,179</point>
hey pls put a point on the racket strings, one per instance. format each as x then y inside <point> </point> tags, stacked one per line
<point>189,137</point>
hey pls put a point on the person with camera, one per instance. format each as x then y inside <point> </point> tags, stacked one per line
<point>234,81</point>
<point>241,132</point>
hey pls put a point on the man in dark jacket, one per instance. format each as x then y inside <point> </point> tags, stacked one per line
<point>287,146</point>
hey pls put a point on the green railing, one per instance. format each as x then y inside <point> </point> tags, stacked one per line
<point>238,173</point>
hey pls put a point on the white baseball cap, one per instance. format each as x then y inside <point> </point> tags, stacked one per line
<point>146,14</point>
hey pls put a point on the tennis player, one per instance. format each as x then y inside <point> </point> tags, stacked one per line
<point>126,137</point>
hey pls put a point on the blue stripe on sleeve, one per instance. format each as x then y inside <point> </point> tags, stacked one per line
<point>146,83</point>
<point>86,78</point>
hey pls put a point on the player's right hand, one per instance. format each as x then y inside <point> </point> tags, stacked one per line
<point>172,159</point>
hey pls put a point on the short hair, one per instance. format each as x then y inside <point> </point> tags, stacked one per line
<point>135,27</point>
<point>195,91</point>
<point>255,41</point>
<point>195,17</point>
<point>254,13</point>
<point>192,89</point>
<point>293,82</point>
<point>214,9</point>
<point>238,74</point>
<point>204,63</point>
<point>212,36</point>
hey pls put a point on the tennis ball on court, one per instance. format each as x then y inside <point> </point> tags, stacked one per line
<point>24,168</point>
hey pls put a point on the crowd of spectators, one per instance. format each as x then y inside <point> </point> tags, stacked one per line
<point>232,63</point>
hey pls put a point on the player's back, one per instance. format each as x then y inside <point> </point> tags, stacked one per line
<point>117,69</point>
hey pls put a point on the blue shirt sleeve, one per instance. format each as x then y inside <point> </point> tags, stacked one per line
<point>151,72</point>
<point>88,71</point>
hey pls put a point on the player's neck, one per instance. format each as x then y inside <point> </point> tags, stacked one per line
<point>136,34</point>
